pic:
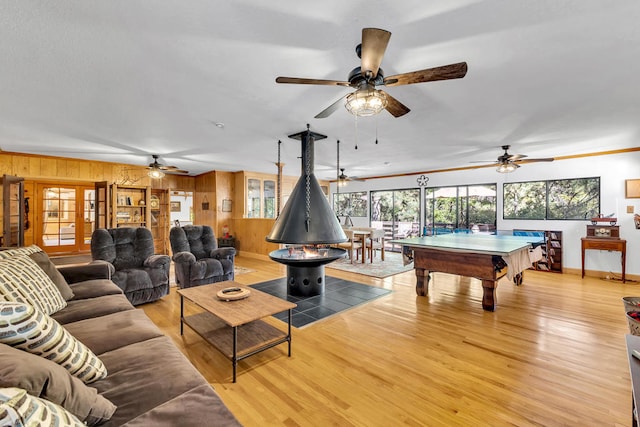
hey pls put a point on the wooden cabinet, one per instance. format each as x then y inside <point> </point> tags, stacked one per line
<point>257,193</point>
<point>551,249</point>
<point>130,207</point>
<point>13,211</point>
<point>122,206</point>
<point>260,197</point>
<point>159,212</point>
<point>554,250</point>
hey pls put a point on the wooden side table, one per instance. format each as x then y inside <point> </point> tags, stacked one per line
<point>227,242</point>
<point>606,244</point>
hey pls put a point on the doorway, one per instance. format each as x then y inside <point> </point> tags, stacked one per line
<point>181,207</point>
<point>66,217</point>
<point>398,213</point>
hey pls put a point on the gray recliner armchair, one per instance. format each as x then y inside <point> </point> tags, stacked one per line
<point>197,258</point>
<point>142,275</point>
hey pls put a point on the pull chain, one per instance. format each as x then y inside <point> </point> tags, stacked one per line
<point>356,126</point>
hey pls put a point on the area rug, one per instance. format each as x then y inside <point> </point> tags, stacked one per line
<point>241,270</point>
<point>339,295</point>
<point>391,265</point>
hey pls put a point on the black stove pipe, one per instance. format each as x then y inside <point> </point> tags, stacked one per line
<point>307,217</point>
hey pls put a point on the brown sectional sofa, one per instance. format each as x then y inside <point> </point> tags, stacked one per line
<point>149,380</point>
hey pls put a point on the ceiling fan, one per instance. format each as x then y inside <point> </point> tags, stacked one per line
<point>158,170</point>
<point>344,178</point>
<point>510,162</point>
<point>367,100</point>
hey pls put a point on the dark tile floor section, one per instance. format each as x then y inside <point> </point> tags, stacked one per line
<point>338,295</point>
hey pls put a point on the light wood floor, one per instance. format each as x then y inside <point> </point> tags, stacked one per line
<point>553,353</point>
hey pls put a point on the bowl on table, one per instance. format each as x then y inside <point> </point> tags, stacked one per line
<point>631,304</point>
<point>633,319</point>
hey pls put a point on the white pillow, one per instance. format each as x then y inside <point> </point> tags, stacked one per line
<point>18,408</point>
<point>22,280</point>
<point>23,326</point>
<point>23,250</point>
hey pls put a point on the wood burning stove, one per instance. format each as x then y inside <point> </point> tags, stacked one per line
<point>307,226</point>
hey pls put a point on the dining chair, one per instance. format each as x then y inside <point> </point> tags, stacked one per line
<point>375,242</point>
<point>352,245</point>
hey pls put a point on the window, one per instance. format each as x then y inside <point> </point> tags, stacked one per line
<point>465,207</point>
<point>524,200</point>
<point>397,212</point>
<point>568,199</point>
<point>351,204</point>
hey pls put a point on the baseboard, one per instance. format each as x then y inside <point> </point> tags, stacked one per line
<point>614,276</point>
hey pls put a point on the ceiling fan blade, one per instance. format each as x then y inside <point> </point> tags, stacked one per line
<point>445,72</point>
<point>514,157</point>
<point>301,81</point>
<point>395,107</point>
<point>374,44</point>
<point>548,159</point>
<point>172,169</point>
<point>345,177</point>
<point>330,109</point>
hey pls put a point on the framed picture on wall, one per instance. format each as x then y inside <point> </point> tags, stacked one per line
<point>175,206</point>
<point>632,188</point>
<point>226,205</point>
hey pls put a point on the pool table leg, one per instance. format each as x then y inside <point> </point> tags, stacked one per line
<point>518,278</point>
<point>489,294</point>
<point>422,282</point>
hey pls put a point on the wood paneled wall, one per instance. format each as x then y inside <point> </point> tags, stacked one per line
<point>216,186</point>
<point>251,233</point>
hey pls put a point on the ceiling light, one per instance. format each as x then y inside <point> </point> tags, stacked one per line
<point>507,167</point>
<point>366,102</point>
<point>155,173</point>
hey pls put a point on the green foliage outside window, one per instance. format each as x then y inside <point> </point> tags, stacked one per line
<point>352,204</point>
<point>573,199</point>
<point>461,206</point>
<point>382,206</point>
<point>524,200</point>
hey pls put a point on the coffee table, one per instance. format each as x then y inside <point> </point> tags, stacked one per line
<point>234,327</point>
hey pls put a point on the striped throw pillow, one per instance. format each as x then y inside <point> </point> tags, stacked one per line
<point>23,250</point>
<point>18,408</point>
<point>25,327</point>
<point>22,280</point>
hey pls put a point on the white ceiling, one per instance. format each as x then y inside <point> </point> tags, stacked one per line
<point>119,80</point>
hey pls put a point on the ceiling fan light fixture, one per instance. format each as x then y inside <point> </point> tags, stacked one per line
<point>366,102</point>
<point>155,173</point>
<point>507,167</point>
